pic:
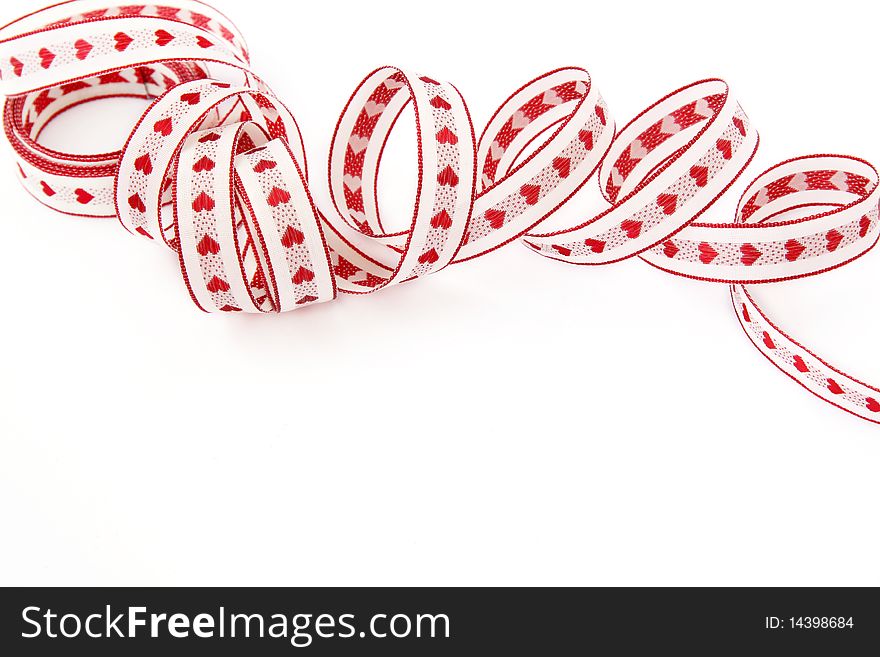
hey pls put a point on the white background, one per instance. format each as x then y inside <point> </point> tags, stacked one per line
<point>509,421</point>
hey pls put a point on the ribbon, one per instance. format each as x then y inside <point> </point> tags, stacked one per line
<point>215,169</point>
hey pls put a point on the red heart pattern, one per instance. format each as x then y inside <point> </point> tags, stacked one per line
<point>495,218</point>
<point>446,136</point>
<point>530,193</point>
<point>667,203</point>
<point>144,164</point>
<point>750,254</point>
<point>203,203</point>
<point>447,177</point>
<point>136,203</point>
<point>277,197</point>
<point>204,163</point>
<point>632,228</point>
<point>562,166</point>
<point>292,237</point>
<point>559,166</point>
<point>562,250</point>
<point>429,257</point>
<point>442,220</point>
<point>163,126</point>
<point>707,253</point>
<point>217,284</point>
<point>83,48</point>
<point>123,41</point>
<point>208,245</point>
<point>163,38</point>
<point>793,250</point>
<point>833,238</point>
<point>596,246</point>
<point>303,275</point>
<point>700,175</point>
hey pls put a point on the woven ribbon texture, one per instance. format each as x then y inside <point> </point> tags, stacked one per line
<point>215,169</point>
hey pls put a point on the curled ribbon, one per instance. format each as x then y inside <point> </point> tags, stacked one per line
<point>215,168</point>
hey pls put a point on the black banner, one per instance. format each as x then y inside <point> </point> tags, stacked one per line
<point>449,621</point>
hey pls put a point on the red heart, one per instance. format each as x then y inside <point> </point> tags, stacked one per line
<point>17,66</point>
<point>211,136</point>
<point>834,238</point>
<point>793,250</point>
<point>48,191</point>
<point>834,387</point>
<point>306,299</point>
<point>163,126</point>
<point>596,246</point>
<point>230,309</point>
<point>141,231</point>
<point>303,275</point>
<point>707,253</point>
<point>562,166</point>
<point>725,147</point>
<point>873,405</point>
<point>83,196</point>
<point>700,175</point>
<point>864,224</point>
<point>746,317</point>
<point>800,365</point>
<point>667,202</point>
<point>83,48</point>
<point>46,58</point>
<point>277,196</point>
<point>204,164</point>
<point>442,220</point>
<point>769,341</point>
<point>144,163</point>
<point>439,103</point>
<point>669,249</point>
<point>632,228</point>
<point>425,78</point>
<point>163,38</point>
<point>530,193</point>
<point>203,202</point>
<point>447,177</point>
<point>203,42</point>
<point>495,218</point>
<point>750,254</point>
<point>192,98</point>
<point>429,257</point>
<point>446,136</point>
<point>217,284</point>
<point>586,137</point>
<point>123,41</point>
<point>264,165</point>
<point>135,202</point>
<point>207,245</point>
<point>292,236</point>
<point>601,114</point>
<point>562,250</point>
<point>738,122</point>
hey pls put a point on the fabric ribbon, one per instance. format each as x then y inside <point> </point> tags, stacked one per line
<point>215,169</point>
